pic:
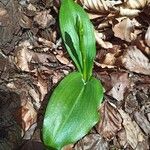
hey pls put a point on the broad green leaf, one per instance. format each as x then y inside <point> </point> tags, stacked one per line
<point>71,111</point>
<point>78,35</point>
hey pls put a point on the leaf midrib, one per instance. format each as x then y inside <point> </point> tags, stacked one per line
<point>77,99</point>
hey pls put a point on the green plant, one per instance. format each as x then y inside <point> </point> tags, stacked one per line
<point>73,107</point>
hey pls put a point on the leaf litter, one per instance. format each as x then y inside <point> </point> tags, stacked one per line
<point>33,60</point>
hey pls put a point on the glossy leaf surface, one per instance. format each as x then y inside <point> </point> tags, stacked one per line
<point>78,35</point>
<point>71,111</point>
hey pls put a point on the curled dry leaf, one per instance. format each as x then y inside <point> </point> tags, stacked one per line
<point>101,6</point>
<point>133,133</point>
<point>147,36</point>
<point>134,60</point>
<point>110,122</point>
<point>124,30</point>
<point>92,142</point>
<point>99,38</point>
<point>44,19</point>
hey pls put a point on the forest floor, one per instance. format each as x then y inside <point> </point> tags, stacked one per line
<point>33,60</point>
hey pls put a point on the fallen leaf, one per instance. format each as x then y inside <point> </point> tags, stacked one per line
<point>25,21</point>
<point>110,122</point>
<point>44,19</point>
<point>131,103</point>
<point>129,12</point>
<point>23,56</point>
<point>119,83</point>
<point>135,4</point>
<point>99,39</point>
<point>122,139</point>
<point>142,122</point>
<point>124,30</point>
<point>26,116</point>
<point>100,6</point>
<point>68,147</point>
<point>91,142</point>
<point>135,61</point>
<point>62,59</point>
<point>147,36</point>
<point>133,133</point>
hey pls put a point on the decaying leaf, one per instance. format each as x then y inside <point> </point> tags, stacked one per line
<point>25,21</point>
<point>142,122</point>
<point>44,19</point>
<point>133,132</point>
<point>110,122</point>
<point>124,30</point>
<point>119,83</point>
<point>99,38</point>
<point>134,60</point>
<point>26,116</point>
<point>131,103</point>
<point>92,142</point>
<point>147,36</point>
<point>62,59</point>
<point>23,56</point>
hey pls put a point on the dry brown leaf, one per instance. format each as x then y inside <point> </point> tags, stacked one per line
<point>23,56</point>
<point>26,115</point>
<point>62,59</point>
<point>43,87</point>
<point>147,36</point>
<point>43,58</point>
<point>109,59</point>
<point>91,142</point>
<point>134,60</point>
<point>44,19</point>
<point>131,103</point>
<point>129,12</point>
<point>119,84</point>
<point>122,139</point>
<point>124,30</point>
<point>56,77</point>
<point>68,147</point>
<point>25,21</point>
<point>99,38</point>
<point>103,65</point>
<point>46,42</point>
<point>133,133</point>
<point>135,4</point>
<point>101,6</point>
<point>142,122</point>
<point>110,122</point>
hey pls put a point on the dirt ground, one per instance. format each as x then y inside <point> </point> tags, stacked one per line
<point>33,60</point>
